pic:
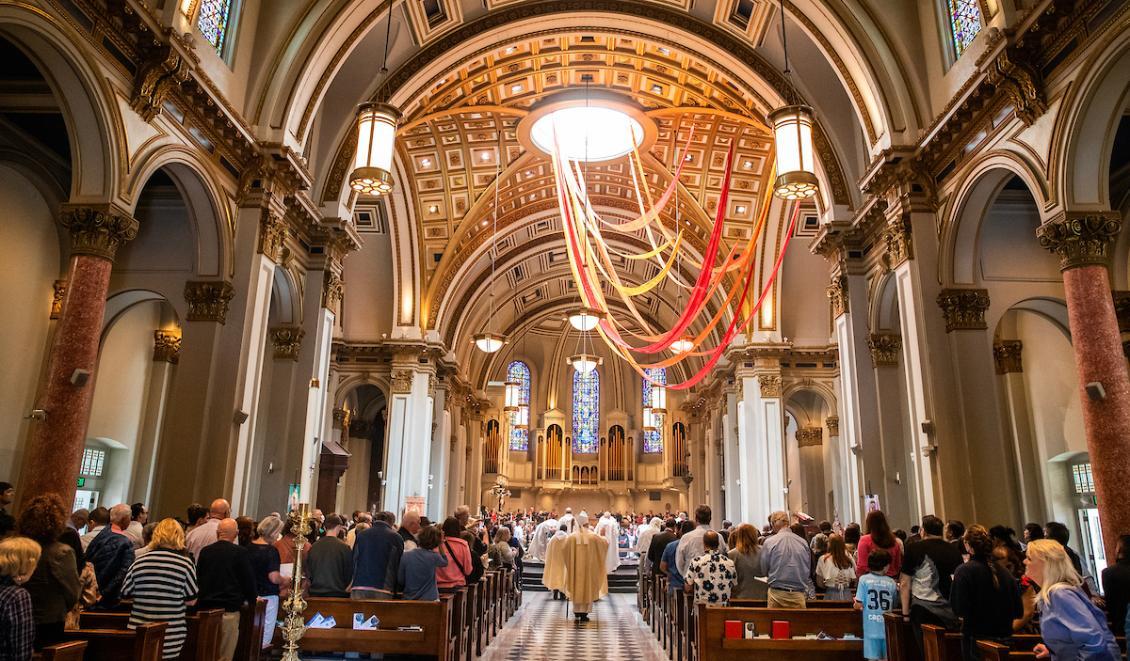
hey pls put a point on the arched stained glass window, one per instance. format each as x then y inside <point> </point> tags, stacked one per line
<point>213,22</point>
<point>653,439</point>
<point>965,23</point>
<point>519,372</point>
<point>586,411</point>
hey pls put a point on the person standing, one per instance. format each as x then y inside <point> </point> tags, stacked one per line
<point>54,585</point>
<point>659,543</point>
<point>926,577</point>
<point>609,528</point>
<point>205,532</point>
<point>266,566</point>
<point>99,519</point>
<point>501,554</point>
<point>690,546</point>
<point>1070,625</point>
<point>786,560</point>
<point>454,575</point>
<point>162,584</point>
<point>417,572</point>
<point>376,559</point>
<point>7,497</point>
<point>983,595</point>
<point>139,516</point>
<point>746,554</point>
<point>875,596</point>
<point>711,576</point>
<point>409,528</point>
<point>112,553</point>
<point>1116,584</point>
<point>879,536</point>
<point>835,572</point>
<point>582,556</point>
<point>329,564</point>
<point>19,557</point>
<point>226,581</point>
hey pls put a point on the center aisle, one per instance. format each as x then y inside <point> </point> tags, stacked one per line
<point>543,629</point>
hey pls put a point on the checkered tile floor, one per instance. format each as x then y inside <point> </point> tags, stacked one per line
<point>544,630</point>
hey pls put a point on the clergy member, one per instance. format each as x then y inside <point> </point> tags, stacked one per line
<point>609,528</point>
<point>582,555</point>
<point>542,534</point>
<point>553,578</point>
<point>568,521</point>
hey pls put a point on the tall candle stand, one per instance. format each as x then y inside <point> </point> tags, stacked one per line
<point>294,626</point>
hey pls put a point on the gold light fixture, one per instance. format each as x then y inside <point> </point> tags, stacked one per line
<point>376,140</point>
<point>796,169</point>
<point>513,396</point>
<point>658,403</point>
<point>521,417</point>
<point>585,362</point>
<point>584,319</point>
<point>489,342</point>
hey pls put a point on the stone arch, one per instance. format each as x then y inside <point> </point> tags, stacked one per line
<point>286,298</point>
<point>349,383</point>
<point>884,313</point>
<point>93,123</point>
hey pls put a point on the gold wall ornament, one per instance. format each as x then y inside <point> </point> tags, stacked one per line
<point>838,294</point>
<point>333,290</point>
<point>272,236</point>
<point>964,309</point>
<point>1007,356</point>
<point>162,70</point>
<point>341,418</point>
<point>897,239</point>
<point>294,625</point>
<point>832,422</point>
<point>770,385</point>
<point>809,437</point>
<point>287,342</point>
<point>208,300</point>
<point>166,346</point>
<point>60,293</point>
<point>885,348</point>
<point>401,382</point>
<point>1080,239</point>
<point>1022,82</point>
<point>97,231</point>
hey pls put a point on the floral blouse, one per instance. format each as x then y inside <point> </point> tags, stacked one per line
<point>713,576</point>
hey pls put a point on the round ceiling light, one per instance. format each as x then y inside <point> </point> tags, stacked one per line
<point>587,133</point>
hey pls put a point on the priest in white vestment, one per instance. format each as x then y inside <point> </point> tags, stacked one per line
<point>553,578</point>
<point>568,521</point>
<point>609,528</point>
<point>542,534</point>
<point>579,561</point>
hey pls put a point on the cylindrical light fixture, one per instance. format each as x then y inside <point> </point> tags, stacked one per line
<point>376,140</point>
<point>489,342</point>
<point>796,165</point>
<point>651,420</point>
<point>585,362</point>
<point>513,396</point>
<point>658,403</point>
<point>584,319</point>
<point>682,345</point>
<point>521,419</point>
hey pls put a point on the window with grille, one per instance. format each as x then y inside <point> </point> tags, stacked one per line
<point>653,438</point>
<point>213,22</point>
<point>519,372</point>
<point>92,462</point>
<point>1084,481</point>
<point>586,411</point>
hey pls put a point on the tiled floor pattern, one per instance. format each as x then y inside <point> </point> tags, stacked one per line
<point>544,630</point>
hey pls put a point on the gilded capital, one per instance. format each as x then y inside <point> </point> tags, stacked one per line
<point>832,422</point>
<point>166,346</point>
<point>208,300</point>
<point>885,348</point>
<point>272,236</point>
<point>333,289</point>
<point>838,294</point>
<point>60,287</point>
<point>401,381</point>
<point>770,385</point>
<point>897,239</point>
<point>1006,355</point>
<point>809,437</point>
<point>340,418</point>
<point>287,342</point>
<point>1080,239</point>
<point>97,231</point>
<point>964,309</point>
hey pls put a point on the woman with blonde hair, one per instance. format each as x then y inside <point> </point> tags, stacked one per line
<point>1071,626</point>
<point>835,571</point>
<point>746,555</point>
<point>163,584</point>
<point>19,557</point>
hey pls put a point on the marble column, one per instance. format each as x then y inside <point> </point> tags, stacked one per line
<point>1007,356</point>
<point>440,456</point>
<point>848,295</point>
<point>761,441</point>
<point>54,451</point>
<point>409,424</point>
<point>731,479</point>
<point>166,354</point>
<point>1082,240</point>
<point>712,478</point>
<point>472,495</point>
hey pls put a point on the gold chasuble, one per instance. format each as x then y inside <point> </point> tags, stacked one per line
<point>583,576</point>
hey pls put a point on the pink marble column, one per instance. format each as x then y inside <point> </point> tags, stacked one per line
<point>1081,240</point>
<point>54,451</point>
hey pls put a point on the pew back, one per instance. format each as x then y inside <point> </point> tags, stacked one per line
<point>72,651</point>
<point>432,616</point>
<point>713,645</point>
<point>141,644</point>
<point>202,642</point>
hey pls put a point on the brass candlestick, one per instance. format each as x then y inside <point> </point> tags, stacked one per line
<point>294,626</point>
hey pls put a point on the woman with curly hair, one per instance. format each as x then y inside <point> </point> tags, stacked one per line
<point>1070,625</point>
<point>983,594</point>
<point>54,585</point>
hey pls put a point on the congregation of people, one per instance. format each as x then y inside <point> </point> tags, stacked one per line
<point>55,565</point>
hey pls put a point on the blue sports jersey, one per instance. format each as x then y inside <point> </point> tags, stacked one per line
<point>878,593</point>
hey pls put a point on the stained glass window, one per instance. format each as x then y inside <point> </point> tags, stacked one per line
<point>586,411</point>
<point>653,440</point>
<point>213,21</point>
<point>519,372</point>
<point>965,23</point>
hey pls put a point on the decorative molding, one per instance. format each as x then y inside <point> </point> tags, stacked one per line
<point>287,341</point>
<point>97,230</point>
<point>161,71</point>
<point>832,422</point>
<point>810,437</point>
<point>838,294</point>
<point>1022,82</point>
<point>1006,355</point>
<point>1080,238</point>
<point>333,290</point>
<point>166,346</point>
<point>964,309</point>
<point>208,300</point>
<point>897,239</point>
<point>885,349</point>
<point>60,287</point>
<point>401,382</point>
<point>272,236</point>
<point>340,418</point>
<point>770,385</point>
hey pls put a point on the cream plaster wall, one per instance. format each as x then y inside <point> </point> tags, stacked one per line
<point>368,304</point>
<point>27,274</point>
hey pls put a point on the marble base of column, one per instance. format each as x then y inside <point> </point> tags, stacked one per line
<point>1099,358</point>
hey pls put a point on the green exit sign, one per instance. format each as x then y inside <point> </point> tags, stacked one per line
<point>81,482</point>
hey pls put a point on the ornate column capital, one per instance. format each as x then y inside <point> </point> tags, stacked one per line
<point>208,300</point>
<point>340,418</point>
<point>333,289</point>
<point>832,422</point>
<point>57,299</point>
<point>273,232</point>
<point>838,294</point>
<point>809,437</point>
<point>1080,238</point>
<point>964,309</point>
<point>1006,355</point>
<point>770,385</point>
<point>287,341</point>
<point>885,348</point>
<point>166,346</point>
<point>401,381</point>
<point>97,230</point>
<point>897,239</point>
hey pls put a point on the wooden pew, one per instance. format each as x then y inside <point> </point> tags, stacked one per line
<point>714,646</point>
<point>764,603</point>
<point>141,644</point>
<point>1020,647</point>
<point>433,616</point>
<point>72,651</point>
<point>202,642</point>
<point>901,645</point>
<point>459,633</point>
<point>938,644</point>
<point>252,620</point>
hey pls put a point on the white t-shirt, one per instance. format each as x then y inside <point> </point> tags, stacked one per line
<point>833,576</point>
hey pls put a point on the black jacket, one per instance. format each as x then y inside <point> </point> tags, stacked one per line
<point>224,576</point>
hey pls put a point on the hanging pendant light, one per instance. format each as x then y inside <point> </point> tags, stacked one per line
<point>376,140</point>
<point>585,362</point>
<point>658,403</point>
<point>521,417</point>
<point>682,345</point>
<point>513,396</point>
<point>584,319</point>
<point>792,139</point>
<point>489,342</point>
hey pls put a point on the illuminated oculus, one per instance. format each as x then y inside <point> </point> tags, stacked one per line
<point>609,133</point>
